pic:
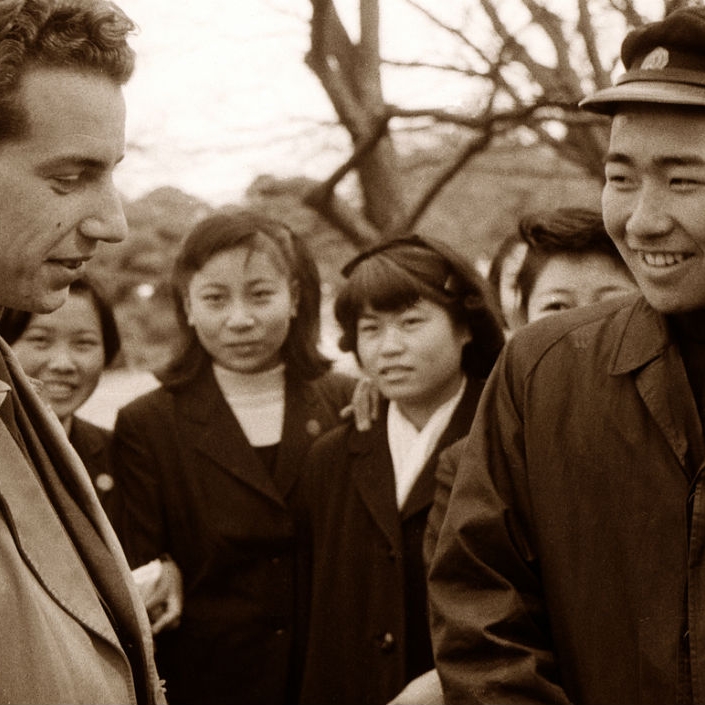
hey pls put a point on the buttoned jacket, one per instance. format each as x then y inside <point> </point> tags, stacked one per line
<point>367,622</point>
<point>189,484</point>
<point>571,563</point>
<point>58,643</point>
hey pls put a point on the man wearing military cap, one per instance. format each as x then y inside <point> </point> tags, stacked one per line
<point>571,563</point>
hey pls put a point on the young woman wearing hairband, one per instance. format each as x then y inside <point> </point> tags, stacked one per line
<point>423,329</point>
<point>207,461</point>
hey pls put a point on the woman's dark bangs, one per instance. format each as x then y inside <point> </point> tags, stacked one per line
<point>382,285</point>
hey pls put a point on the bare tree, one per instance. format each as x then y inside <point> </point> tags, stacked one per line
<point>513,87</point>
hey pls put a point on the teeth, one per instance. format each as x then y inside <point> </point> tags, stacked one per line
<point>663,259</point>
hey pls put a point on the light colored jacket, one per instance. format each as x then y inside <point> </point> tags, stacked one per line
<point>58,644</point>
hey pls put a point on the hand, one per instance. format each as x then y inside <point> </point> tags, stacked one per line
<point>424,690</point>
<point>161,587</point>
<point>364,405</point>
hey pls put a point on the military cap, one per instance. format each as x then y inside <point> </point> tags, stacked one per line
<point>664,62</point>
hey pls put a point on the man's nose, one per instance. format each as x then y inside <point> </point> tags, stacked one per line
<point>107,220</point>
<point>649,215</point>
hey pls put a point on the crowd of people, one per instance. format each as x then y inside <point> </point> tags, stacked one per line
<point>504,506</point>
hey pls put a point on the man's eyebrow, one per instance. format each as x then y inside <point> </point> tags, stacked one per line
<point>667,160</point>
<point>77,160</point>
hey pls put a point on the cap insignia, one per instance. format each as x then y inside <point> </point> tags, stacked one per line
<point>656,59</point>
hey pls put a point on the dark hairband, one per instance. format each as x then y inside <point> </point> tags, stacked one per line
<point>413,240</point>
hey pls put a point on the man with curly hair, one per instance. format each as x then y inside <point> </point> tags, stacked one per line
<point>74,628</point>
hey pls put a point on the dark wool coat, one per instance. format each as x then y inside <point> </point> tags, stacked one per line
<point>571,563</point>
<point>92,443</point>
<point>367,630</point>
<point>190,485</point>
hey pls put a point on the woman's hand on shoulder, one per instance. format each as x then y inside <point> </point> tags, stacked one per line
<point>364,405</point>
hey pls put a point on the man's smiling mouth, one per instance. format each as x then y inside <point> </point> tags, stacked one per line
<point>663,259</point>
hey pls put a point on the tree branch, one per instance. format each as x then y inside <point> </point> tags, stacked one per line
<point>587,31</point>
<point>323,192</point>
<point>473,147</point>
<point>331,58</point>
<point>459,34</point>
<point>627,8</point>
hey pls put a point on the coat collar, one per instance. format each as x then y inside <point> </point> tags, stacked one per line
<point>33,519</point>
<point>647,350</point>
<point>644,337</point>
<point>373,473</point>
<point>60,578</point>
<point>216,433</point>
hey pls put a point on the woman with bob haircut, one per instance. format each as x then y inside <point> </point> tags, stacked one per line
<point>67,351</point>
<point>209,459</point>
<point>425,331</point>
<point>570,262</point>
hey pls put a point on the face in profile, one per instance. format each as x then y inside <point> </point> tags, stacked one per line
<point>413,355</point>
<point>57,198</point>
<point>241,305</point>
<point>654,202</point>
<point>574,280</point>
<point>64,350</point>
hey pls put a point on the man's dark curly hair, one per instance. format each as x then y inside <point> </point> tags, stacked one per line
<point>79,35</point>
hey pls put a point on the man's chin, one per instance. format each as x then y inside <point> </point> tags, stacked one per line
<point>669,305</point>
<point>42,302</point>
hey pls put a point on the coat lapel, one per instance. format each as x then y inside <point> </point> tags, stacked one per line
<point>373,476</point>
<point>212,428</point>
<point>54,560</point>
<point>88,439</point>
<point>647,351</point>
<point>304,420</point>
<point>43,542</point>
<point>423,491</point>
<point>79,598</point>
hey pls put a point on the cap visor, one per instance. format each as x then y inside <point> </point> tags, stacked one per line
<point>606,100</point>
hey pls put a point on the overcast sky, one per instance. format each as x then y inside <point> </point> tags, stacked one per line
<point>221,93</point>
<point>219,87</point>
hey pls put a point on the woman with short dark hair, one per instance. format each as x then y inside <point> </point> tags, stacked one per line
<point>67,350</point>
<point>425,332</point>
<point>207,461</point>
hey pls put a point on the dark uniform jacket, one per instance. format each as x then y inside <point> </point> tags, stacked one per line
<point>367,630</point>
<point>571,564</point>
<point>189,484</point>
